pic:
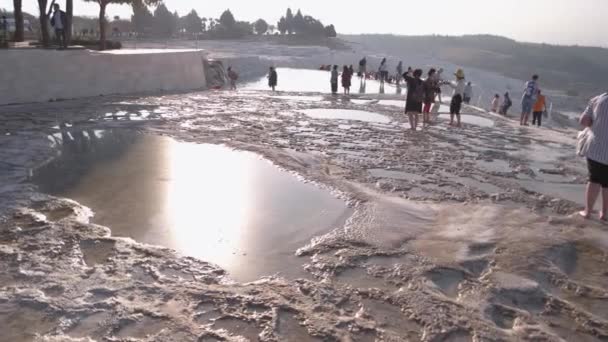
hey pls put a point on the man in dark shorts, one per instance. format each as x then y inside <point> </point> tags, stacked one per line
<point>595,149</point>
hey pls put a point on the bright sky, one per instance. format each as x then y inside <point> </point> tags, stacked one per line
<point>582,22</point>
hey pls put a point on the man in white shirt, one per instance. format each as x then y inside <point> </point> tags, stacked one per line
<point>59,23</point>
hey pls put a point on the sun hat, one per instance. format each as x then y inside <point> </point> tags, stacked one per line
<point>459,73</point>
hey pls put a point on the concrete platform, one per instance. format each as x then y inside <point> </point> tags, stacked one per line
<point>35,75</point>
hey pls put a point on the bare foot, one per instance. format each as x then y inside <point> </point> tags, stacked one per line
<point>603,217</point>
<point>584,214</point>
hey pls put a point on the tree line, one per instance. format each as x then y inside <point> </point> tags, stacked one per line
<point>163,23</point>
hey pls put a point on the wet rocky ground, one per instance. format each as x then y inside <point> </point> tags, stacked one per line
<point>457,234</point>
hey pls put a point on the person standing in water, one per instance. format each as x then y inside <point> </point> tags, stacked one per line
<point>595,119</point>
<point>346,80</point>
<point>457,96</point>
<point>334,80</point>
<point>399,70</point>
<point>362,69</point>
<point>506,104</point>
<point>272,78</point>
<point>430,88</point>
<point>528,99</point>
<point>383,71</point>
<point>233,77</point>
<point>540,106</point>
<point>468,93</point>
<point>415,97</point>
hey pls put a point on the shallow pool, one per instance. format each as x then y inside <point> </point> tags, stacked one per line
<point>231,208</point>
<point>346,114</point>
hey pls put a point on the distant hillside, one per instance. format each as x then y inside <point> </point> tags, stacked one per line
<point>575,69</point>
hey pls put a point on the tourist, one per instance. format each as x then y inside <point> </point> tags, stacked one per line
<point>506,104</point>
<point>495,103</point>
<point>439,80</point>
<point>383,70</point>
<point>415,97</point>
<point>528,99</point>
<point>351,71</point>
<point>430,89</point>
<point>540,107</point>
<point>399,70</point>
<point>457,96</point>
<point>363,69</point>
<point>334,80</point>
<point>233,77</point>
<point>273,78</point>
<point>595,149</point>
<point>346,80</point>
<point>59,23</point>
<point>468,93</point>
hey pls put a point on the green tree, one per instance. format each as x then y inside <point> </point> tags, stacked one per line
<point>289,21</point>
<point>282,25</point>
<point>261,26</point>
<point>142,18</point>
<point>193,23</point>
<point>165,23</point>
<point>102,15</point>
<point>299,25</point>
<point>44,23</point>
<point>18,14</point>
<point>227,19</point>
<point>330,31</point>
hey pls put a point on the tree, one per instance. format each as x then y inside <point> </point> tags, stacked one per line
<point>299,25</point>
<point>142,18</point>
<point>282,25</point>
<point>44,23</point>
<point>164,23</point>
<point>193,23</point>
<point>227,19</point>
<point>69,14</point>
<point>289,21</point>
<point>271,29</point>
<point>261,26</point>
<point>330,31</point>
<point>18,14</point>
<point>102,15</point>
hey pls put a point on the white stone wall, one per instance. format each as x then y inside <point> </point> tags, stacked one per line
<point>33,75</point>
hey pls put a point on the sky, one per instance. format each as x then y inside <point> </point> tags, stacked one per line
<point>566,22</point>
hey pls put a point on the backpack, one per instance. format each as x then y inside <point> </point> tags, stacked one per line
<point>418,94</point>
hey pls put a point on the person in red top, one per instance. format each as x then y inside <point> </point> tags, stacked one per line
<point>540,106</point>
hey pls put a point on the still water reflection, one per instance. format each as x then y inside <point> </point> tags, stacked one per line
<point>228,207</point>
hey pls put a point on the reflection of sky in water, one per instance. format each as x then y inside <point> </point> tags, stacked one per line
<point>307,80</point>
<point>227,207</point>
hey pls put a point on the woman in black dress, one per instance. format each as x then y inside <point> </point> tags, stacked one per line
<point>415,96</point>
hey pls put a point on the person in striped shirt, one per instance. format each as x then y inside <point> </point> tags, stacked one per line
<point>596,118</point>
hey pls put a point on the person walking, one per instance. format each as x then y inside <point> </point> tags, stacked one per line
<point>506,104</point>
<point>595,119</point>
<point>528,99</point>
<point>233,77</point>
<point>540,107</point>
<point>415,96</point>
<point>468,93</point>
<point>334,80</point>
<point>439,79</point>
<point>383,71</point>
<point>457,96</point>
<point>272,78</point>
<point>430,89</point>
<point>495,103</point>
<point>346,80</point>
<point>59,22</point>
